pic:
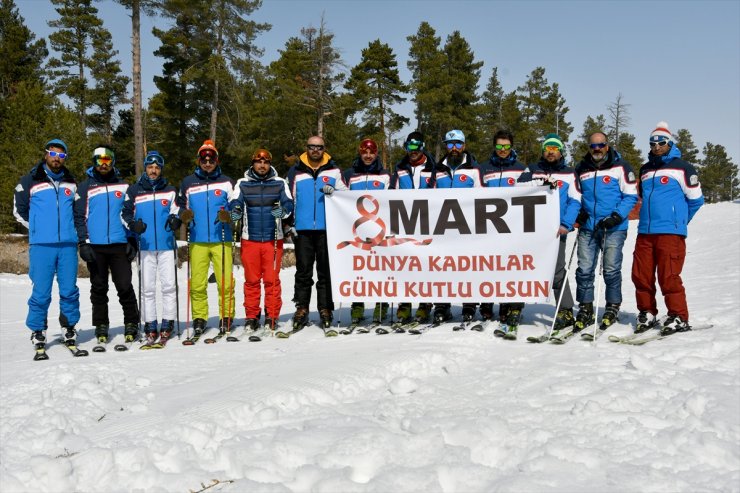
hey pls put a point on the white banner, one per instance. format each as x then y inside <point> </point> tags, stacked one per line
<point>443,245</point>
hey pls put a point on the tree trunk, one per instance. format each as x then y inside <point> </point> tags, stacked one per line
<point>138,123</point>
<point>384,149</point>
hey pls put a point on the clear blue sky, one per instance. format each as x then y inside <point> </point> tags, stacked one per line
<point>677,61</point>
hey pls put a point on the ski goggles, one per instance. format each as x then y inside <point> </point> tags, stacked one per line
<point>414,145</point>
<point>262,156</point>
<point>60,155</point>
<point>103,160</point>
<point>552,148</point>
<point>503,147</point>
<point>207,156</point>
<point>660,143</point>
<point>154,159</point>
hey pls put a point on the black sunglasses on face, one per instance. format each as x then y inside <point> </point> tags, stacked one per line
<point>315,147</point>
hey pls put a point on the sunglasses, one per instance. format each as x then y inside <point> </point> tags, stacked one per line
<point>103,160</point>
<point>414,145</point>
<point>598,145</point>
<point>315,147</point>
<point>60,155</point>
<point>455,145</point>
<point>552,148</point>
<point>503,147</point>
<point>660,143</point>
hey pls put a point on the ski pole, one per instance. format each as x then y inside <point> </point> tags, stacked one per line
<point>187,306</point>
<point>138,253</point>
<point>223,275</point>
<point>599,282</point>
<point>562,288</point>
<point>177,286</point>
<point>275,274</point>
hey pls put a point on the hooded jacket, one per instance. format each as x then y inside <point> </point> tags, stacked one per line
<point>153,203</point>
<point>257,196</point>
<point>98,206</point>
<point>205,194</point>
<point>46,208</point>
<point>499,172</point>
<point>671,194</point>
<point>466,175</point>
<point>606,187</point>
<point>305,185</point>
<point>362,177</point>
<point>408,176</point>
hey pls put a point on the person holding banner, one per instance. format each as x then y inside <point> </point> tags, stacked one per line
<point>261,201</point>
<point>551,170</point>
<point>311,179</point>
<point>414,171</point>
<point>460,171</point>
<point>503,169</point>
<point>367,173</point>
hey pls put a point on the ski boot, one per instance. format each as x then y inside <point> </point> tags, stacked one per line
<point>380,312</point>
<point>326,317</point>
<point>645,321</point>
<point>251,324</point>
<point>403,313</point>
<point>513,317</point>
<point>130,332</point>
<point>150,333</point>
<point>486,311</point>
<point>270,324</point>
<point>563,320</point>
<point>357,314</point>
<point>70,336</point>
<point>585,316</point>
<point>442,313</point>
<point>38,339</point>
<point>468,313</point>
<point>225,325</point>
<point>166,330</point>
<point>672,324</point>
<point>300,318</point>
<point>611,315</point>
<point>422,313</point>
<point>101,333</point>
<point>199,327</point>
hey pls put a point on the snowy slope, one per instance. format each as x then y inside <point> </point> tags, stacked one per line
<point>447,412</point>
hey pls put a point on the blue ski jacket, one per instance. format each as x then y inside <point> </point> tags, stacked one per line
<point>153,203</point>
<point>46,208</point>
<point>305,185</point>
<point>408,176</point>
<point>606,188</point>
<point>569,191</point>
<point>206,194</point>
<point>361,177</point>
<point>499,172</point>
<point>98,206</point>
<point>466,175</point>
<point>257,196</point>
<point>671,194</point>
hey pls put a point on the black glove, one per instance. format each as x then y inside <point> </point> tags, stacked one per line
<point>236,213</point>
<point>186,216</point>
<point>609,222</point>
<point>582,217</point>
<point>223,216</point>
<point>86,252</point>
<point>131,249</point>
<point>289,232</point>
<point>137,226</point>
<point>173,222</point>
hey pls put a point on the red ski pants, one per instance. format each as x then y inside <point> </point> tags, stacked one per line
<point>666,254</point>
<point>262,263</point>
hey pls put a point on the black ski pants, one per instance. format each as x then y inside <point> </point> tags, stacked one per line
<point>112,258</point>
<point>310,247</point>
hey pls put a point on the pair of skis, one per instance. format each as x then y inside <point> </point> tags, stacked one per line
<point>71,345</point>
<point>653,334</point>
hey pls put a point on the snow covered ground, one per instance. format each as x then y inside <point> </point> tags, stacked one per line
<point>442,412</point>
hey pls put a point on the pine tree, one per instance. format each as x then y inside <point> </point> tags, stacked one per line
<point>76,27</point>
<point>110,85</point>
<point>629,151</point>
<point>718,174</point>
<point>619,118</point>
<point>689,151</point>
<point>20,56</point>
<point>428,80</point>
<point>375,86</point>
<point>490,111</point>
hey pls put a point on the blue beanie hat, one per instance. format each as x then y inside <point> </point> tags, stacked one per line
<point>56,143</point>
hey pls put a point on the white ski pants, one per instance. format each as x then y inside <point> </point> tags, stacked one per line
<point>158,263</point>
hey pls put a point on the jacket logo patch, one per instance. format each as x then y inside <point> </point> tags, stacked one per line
<point>463,178</point>
<point>164,202</point>
<point>118,194</point>
<point>217,193</point>
<point>510,181</point>
<point>67,192</point>
<point>325,179</point>
<point>606,179</point>
<point>664,180</point>
<point>426,180</point>
<point>560,183</point>
<point>376,184</point>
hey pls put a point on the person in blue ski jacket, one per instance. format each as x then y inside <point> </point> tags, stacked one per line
<point>552,170</point>
<point>43,202</point>
<point>367,173</point>
<point>314,176</point>
<point>671,196</point>
<point>261,201</point>
<point>416,170</point>
<point>503,169</point>
<point>203,201</point>
<point>608,194</point>
<point>457,169</point>
<point>104,242</point>
<point>151,212</point>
